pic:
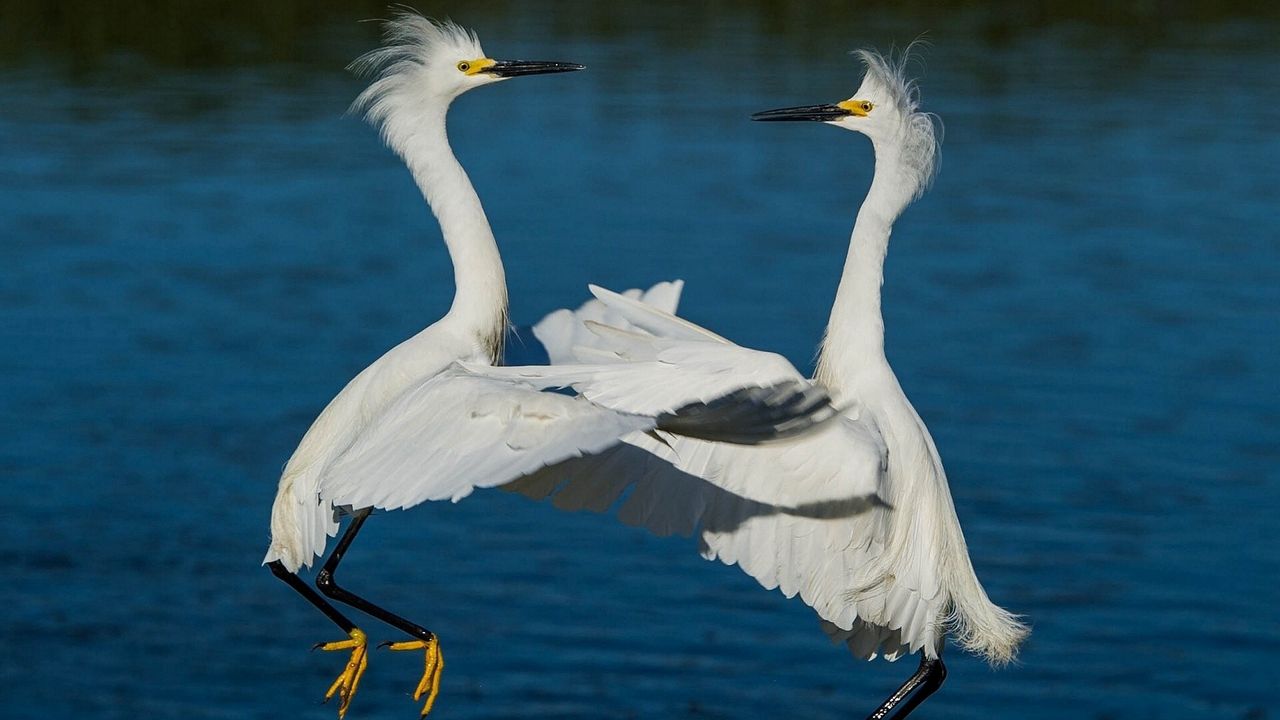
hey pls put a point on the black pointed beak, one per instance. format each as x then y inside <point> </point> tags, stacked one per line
<point>819,113</point>
<point>516,68</point>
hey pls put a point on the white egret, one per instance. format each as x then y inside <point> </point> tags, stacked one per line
<point>424,421</point>
<point>856,518</point>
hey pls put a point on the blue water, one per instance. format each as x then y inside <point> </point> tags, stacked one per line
<point>1084,309</point>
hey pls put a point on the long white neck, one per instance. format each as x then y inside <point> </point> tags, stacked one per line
<point>480,294</point>
<point>854,341</point>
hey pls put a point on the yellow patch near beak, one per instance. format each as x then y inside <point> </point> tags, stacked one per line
<point>471,67</point>
<point>857,108</point>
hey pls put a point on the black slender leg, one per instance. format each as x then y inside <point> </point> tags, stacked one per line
<point>429,685</point>
<point>931,683</point>
<point>926,681</point>
<point>328,584</point>
<point>303,589</point>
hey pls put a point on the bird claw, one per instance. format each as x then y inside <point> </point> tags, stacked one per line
<point>429,685</point>
<point>349,679</point>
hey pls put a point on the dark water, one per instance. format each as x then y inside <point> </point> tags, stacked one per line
<point>198,250</point>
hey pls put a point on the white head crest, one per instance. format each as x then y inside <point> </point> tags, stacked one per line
<point>886,109</point>
<point>418,61</point>
<point>422,67</point>
<point>895,123</point>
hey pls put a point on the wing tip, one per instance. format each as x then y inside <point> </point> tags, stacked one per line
<point>753,415</point>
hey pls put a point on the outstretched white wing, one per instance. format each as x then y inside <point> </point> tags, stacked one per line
<point>825,551</point>
<point>663,362</point>
<point>803,516</point>
<point>476,426</point>
<point>458,431</point>
<point>486,430</point>
<point>671,375</point>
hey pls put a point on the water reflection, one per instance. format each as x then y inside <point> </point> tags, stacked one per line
<point>200,249</point>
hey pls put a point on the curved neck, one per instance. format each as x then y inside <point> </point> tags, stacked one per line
<point>855,333</point>
<point>480,287</point>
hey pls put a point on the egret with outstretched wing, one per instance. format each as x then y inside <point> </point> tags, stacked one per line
<point>857,517</point>
<point>421,70</point>
<point>430,420</point>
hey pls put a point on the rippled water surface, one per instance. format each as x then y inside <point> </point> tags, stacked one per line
<point>199,249</point>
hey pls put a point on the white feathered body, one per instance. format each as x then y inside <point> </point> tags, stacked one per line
<point>909,580</point>
<point>301,519</point>
<point>414,84</point>
<point>856,518</point>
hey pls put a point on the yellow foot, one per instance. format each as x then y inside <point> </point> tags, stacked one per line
<point>346,684</point>
<point>429,685</point>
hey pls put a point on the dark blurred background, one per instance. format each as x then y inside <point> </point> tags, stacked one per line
<point>198,249</point>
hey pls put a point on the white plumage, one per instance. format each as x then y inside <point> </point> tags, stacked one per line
<point>432,419</point>
<point>837,463</point>
<point>855,518</point>
<point>455,432</point>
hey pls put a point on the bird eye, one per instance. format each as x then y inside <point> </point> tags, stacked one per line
<point>464,66</point>
<point>866,106</point>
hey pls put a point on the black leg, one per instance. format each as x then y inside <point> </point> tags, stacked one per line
<point>349,679</point>
<point>926,681</point>
<point>328,584</point>
<point>311,596</point>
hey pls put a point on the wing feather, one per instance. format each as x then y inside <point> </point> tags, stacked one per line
<point>804,516</point>
<point>564,330</point>
<point>485,432</point>
<point>825,552</point>
<point>673,375</point>
<point>654,320</point>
